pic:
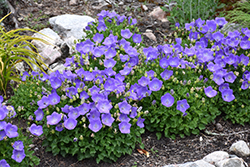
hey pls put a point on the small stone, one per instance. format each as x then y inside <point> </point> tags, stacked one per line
<point>219,127</point>
<point>216,156</point>
<point>232,162</point>
<point>72,2</point>
<point>144,7</point>
<point>159,14</point>
<point>240,148</point>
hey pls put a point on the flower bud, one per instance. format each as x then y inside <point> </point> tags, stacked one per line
<point>81,137</point>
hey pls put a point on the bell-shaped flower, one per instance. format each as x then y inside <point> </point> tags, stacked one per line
<point>98,37</point>
<point>126,33</point>
<point>54,118</point>
<point>230,77</point>
<point>124,127</point>
<point>39,114</point>
<point>140,122</point>
<point>227,95</point>
<point>70,123</point>
<point>245,44</point>
<point>164,63</point>
<point>36,130</point>
<point>244,85</point>
<point>143,81</point>
<point>155,84</point>
<point>11,130</point>
<point>218,79</point>
<point>104,106</point>
<point>18,145</point>
<point>137,38</point>
<point>3,163</point>
<point>166,74</point>
<point>55,82</point>
<point>167,100</point>
<point>93,115</point>
<point>174,61</point>
<point>109,63</point>
<point>43,102</point>
<point>18,156</point>
<point>244,59</point>
<point>2,125</point>
<point>218,36</point>
<point>126,70</point>
<point>95,125</point>
<point>110,53</point>
<point>223,86</point>
<point>54,98</point>
<point>210,92</point>
<point>182,105</point>
<point>124,118</point>
<point>107,119</point>
<point>3,112</point>
<point>124,107</point>
<point>73,113</point>
<point>59,127</point>
<point>221,21</point>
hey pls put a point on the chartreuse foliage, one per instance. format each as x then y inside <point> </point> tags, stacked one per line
<point>240,14</point>
<point>14,150</point>
<point>184,11</point>
<point>15,48</point>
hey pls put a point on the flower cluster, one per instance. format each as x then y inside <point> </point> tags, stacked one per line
<point>7,130</point>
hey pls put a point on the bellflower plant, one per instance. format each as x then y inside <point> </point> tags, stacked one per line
<point>14,150</point>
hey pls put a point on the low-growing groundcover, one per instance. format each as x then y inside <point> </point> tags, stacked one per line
<point>114,88</point>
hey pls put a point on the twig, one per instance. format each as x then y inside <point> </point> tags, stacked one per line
<point>223,134</point>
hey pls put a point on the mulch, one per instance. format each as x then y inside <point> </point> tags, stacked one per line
<point>161,152</point>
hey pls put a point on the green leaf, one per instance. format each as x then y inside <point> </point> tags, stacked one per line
<point>158,134</point>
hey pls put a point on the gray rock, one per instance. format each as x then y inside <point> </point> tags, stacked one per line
<point>216,156</point>
<point>202,163</point>
<point>57,66</point>
<point>240,148</point>
<point>50,54</point>
<point>70,25</point>
<point>232,162</point>
<point>48,35</point>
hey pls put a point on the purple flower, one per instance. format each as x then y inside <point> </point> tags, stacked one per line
<point>182,106</point>
<point>167,100</point>
<point>54,118</point>
<point>3,163</point>
<point>95,125</point>
<point>73,113</point>
<point>166,74</point>
<point>109,72</point>
<point>54,98</point>
<point>94,90</point>
<point>98,37</point>
<point>126,70</point>
<point>231,59</point>
<point>110,40</point>
<point>36,129</point>
<point>221,21</point>
<point>124,127</point>
<point>155,84</point>
<point>55,82</point>
<point>3,112</point>
<point>124,107</point>
<point>93,115</point>
<point>210,92</point>
<point>126,33</point>
<point>2,125</point>
<point>223,86</point>
<point>110,53</point>
<point>230,77</point>
<point>83,109</point>
<point>11,130</point>
<point>104,106</point>
<point>25,75</point>
<point>109,63</point>
<point>217,36</point>
<point>211,25</point>
<point>107,119</point>
<point>143,81</point>
<point>39,114</point>
<point>227,95</point>
<point>174,61</point>
<point>98,51</point>
<point>84,95</point>
<point>133,113</point>
<point>85,47</point>
<point>140,122</point>
<point>2,135</point>
<point>164,63</point>
<point>101,27</point>
<point>205,56</point>
<point>18,145</point>
<point>137,38</point>
<point>65,109</point>
<point>245,44</point>
<point>71,91</point>
<point>18,156</point>
<point>218,79</point>
<point>190,51</point>
<point>43,103</point>
<point>244,85</point>
<point>124,118</point>
<point>59,127</point>
<point>244,59</point>
<point>70,123</point>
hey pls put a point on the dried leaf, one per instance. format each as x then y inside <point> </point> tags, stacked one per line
<point>141,151</point>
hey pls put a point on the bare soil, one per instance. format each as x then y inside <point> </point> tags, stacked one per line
<point>35,14</point>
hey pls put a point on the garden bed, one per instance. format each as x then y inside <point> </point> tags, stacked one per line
<point>163,151</point>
